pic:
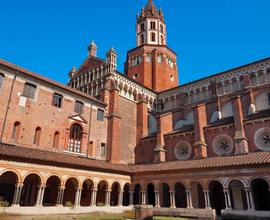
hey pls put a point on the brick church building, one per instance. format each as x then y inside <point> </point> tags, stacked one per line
<point>112,140</point>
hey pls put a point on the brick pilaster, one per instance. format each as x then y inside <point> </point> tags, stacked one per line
<point>164,125</point>
<point>142,120</point>
<point>240,140</point>
<point>200,120</point>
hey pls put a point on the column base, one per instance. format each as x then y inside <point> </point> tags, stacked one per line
<point>172,207</point>
<point>59,205</point>
<point>16,205</point>
<point>39,206</point>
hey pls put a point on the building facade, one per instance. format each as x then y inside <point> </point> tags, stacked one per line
<point>119,139</point>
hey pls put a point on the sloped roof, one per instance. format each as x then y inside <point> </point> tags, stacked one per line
<point>257,158</point>
<point>45,157</point>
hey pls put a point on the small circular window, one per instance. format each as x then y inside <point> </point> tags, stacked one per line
<point>262,139</point>
<point>223,145</point>
<point>182,150</point>
<point>172,78</point>
<point>135,75</point>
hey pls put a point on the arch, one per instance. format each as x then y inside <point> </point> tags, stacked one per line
<point>71,185</point>
<point>197,195</point>
<point>115,194</point>
<point>87,189</point>
<point>8,181</point>
<point>75,138</point>
<point>262,101</point>
<point>37,136</point>
<point>16,131</point>
<point>217,198</point>
<point>238,195</point>
<point>56,175</point>
<point>19,178</point>
<point>51,191</point>
<point>151,194</point>
<point>31,184</point>
<point>180,195</point>
<point>101,193</point>
<point>72,177</point>
<point>165,195</point>
<point>261,194</point>
<point>126,194</point>
<point>227,110</point>
<point>227,183</point>
<point>56,140</point>
<point>137,194</point>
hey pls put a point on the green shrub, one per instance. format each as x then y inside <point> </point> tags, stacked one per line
<point>69,204</point>
<point>4,204</point>
<point>100,204</point>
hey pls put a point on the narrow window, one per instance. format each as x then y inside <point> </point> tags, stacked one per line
<point>161,28</point>
<point>268,98</point>
<point>153,25</point>
<point>149,57</point>
<point>159,58</point>
<point>57,100</point>
<point>78,107</point>
<point>103,150</point>
<point>100,115</point>
<point>16,131</point>
<point>56,139</point>
<point>75,138</point>
<point>1,80</point>
<point>142,27</point>
<point>37,136</point>
<point>142,39</point>
<point>153,37</point>
<point>29,90</point>
<point>162,40</point>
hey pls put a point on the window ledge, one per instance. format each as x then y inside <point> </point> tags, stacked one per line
<point>74,153</point>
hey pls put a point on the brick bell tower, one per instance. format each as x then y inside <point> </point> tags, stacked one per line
<point>152,63</point>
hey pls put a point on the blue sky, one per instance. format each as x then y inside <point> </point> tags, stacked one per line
<point>209,36</point>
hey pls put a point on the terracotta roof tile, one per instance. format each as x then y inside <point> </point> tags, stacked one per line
<point>257,158</point>
<point>59,159</point>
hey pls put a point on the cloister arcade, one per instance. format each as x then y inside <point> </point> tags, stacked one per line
<point>32,190</point>
<point>235,194</point>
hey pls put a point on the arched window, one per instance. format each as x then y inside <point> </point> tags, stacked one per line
<point>37,136</point>
<point>1,79</point>
<point>142,39</point>
<point>75,138</point>
<point>153,37</point>
<point>16,131</point>
<point>56,139</point>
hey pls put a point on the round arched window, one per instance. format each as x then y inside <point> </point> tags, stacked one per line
<point>182,150</point>
<point>75,138</point>
<point>223,145</point>
<point>262,139</point>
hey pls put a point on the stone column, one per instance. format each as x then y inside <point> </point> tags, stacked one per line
<point>143,197</point>
<point>40,195</point>
<point>250,201</point>
<point>78,196</point>
<point>227,198</point>
<point>94,196</point>
<point>17,195</point>
<point>206,199</point>
<point>108,197</point>
<point>131,198</point>
<point>189,199</point>
<point>172,198</point>
<point>60,196</point>
<point>157,199</point>
<point>120,197</point>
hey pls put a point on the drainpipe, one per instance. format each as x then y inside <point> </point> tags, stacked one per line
<point>8,104</point>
